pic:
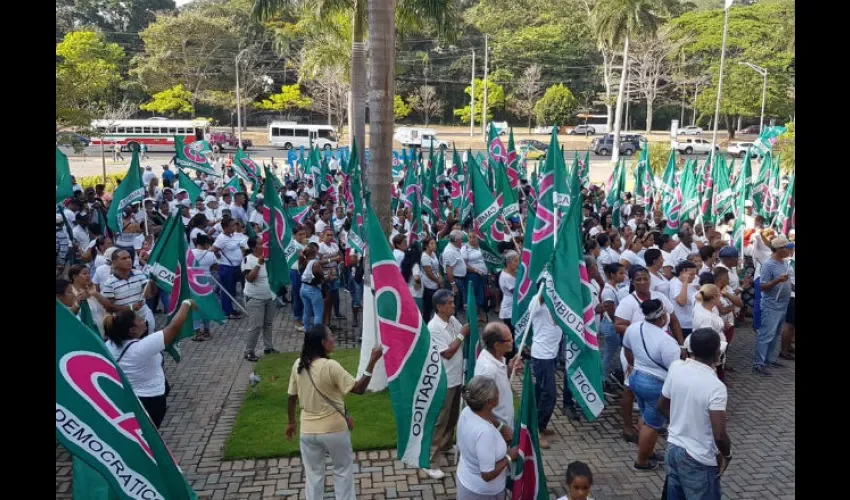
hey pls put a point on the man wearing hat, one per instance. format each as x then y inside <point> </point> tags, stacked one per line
<point>749,218</point>
<point>185,211</point>
<point>168,198</point>
<point>775,295</point>
<point>104,271</point>
<point>256,216</point>
<point>148,176</point>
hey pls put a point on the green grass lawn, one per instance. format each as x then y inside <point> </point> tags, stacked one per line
<point>260,429</point>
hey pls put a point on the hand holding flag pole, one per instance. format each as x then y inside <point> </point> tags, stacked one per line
<point>535,303</point>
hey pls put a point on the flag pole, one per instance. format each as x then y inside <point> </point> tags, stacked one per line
<point>224,290</point>
<point>534,305</point>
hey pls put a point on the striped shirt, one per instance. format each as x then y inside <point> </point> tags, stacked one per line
<point>125,292</point>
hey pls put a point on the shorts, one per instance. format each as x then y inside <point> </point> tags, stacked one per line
<point>790,315</point>
<point>647,391</point>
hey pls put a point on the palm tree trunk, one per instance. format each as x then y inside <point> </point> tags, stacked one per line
<point>359,93</point>
<point>382,91</point>
<point>615,147</point>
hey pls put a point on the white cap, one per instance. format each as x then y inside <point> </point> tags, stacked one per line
<point>748,203</point>
<point>186,203</point>
<point>669,262</point>
<point>210,199</point>
<point>181,190</point>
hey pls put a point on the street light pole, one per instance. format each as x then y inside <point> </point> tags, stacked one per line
<point>720,79</point>
<point>763,72</point>
<point>238,101</point>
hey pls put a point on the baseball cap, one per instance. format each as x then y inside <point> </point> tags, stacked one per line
<point>728,252</point>
<point>748,203</point>
<point>186,203</point>
<point>781,242</point>
<point>210,199</point>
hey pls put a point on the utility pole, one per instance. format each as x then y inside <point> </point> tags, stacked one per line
<point>720,80</point>
<point>484,107</point>
<point>239,101</point>
<point>329,106</point>
<point>472,100</point>
<point>628,96</point>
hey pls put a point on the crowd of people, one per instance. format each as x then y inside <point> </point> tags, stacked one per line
<point>666,308</point>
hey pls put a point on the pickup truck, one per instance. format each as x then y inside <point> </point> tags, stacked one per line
<point>219,141</point>
<point>424,138</point>
<point>692,146</point>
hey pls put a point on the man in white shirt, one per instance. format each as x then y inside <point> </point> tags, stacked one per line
<point>749,218</point>
<point>544,351</point>
<point>128,289</point>
<point>448,336</point>
<point>491,363</point>
<point>685,248</point>
<point>606,254</point>
<point>454,267</point>
<point>147,176</point>
<point>694,401</point>
<point>236,208</point>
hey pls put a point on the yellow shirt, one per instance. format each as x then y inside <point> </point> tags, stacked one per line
<point>317,416</point>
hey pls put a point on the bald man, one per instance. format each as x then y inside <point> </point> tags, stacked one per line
<point>498,342</point>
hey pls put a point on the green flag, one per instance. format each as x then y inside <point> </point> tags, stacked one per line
<point>243,166</point>
<point>722,199</point>
<point>415,372</point>
<point>615,193</point>
<point>743,192</point>
<point>529,478</point>
<point>455,177</point>
<point>472,345</point>
<point>761,195</point>
<point>643,179</point>
<point>688,187</point>
<point>64,188</point>
<point>783,219</point>
<point>233,185</point>
<point>191,188</point>
<point>100,421</point>
<point>128,192</point>
<point>193,155</point>
<point>278,242</point>
<point>357,235</point>
<point>671,197</point>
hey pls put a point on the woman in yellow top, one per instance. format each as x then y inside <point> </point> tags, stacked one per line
<point>320,385</point>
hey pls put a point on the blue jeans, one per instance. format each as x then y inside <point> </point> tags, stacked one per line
<point>460,296</point>
<point>198,323</point>
<point>355,288</point>
<point>768,336</point>
<point>477,282</point>
<point>545,392</point>
<point>647,390</point>
<point>611,350</point>
<point>227,276</point>
<point>313,305</point>
<point>757,303</point>
<point>688,479</point>
<point>297,303</point>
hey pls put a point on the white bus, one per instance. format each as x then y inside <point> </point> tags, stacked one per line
<point>156,133</point>
<point>597,123</point>
<point>291,135</point>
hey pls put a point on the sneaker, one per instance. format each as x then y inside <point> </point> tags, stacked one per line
<point>609,390</point>
<point>542,441</point>
<point>236,316</point>
<point>571,413</point>
<point>250,356</point>
<point>340,316</point>
<point>435,473</point>
<point>776,364</point>
<point>299,328</point>
<point>651,465</point>
<point>270,350</point>
<point>762,371</point>
<point>635,406</point>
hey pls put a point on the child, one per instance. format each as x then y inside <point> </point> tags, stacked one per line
<point>579,481</point>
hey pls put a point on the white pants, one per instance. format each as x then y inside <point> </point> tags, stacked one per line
<point>313,450</point>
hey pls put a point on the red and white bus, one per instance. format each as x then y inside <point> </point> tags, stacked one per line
<point>157,133</point>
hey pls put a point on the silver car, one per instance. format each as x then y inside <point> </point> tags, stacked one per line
<point>690,130</point>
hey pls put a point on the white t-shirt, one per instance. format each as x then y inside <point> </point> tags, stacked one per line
<point>629,308</point>
<point>204,259</point>
<point>399,256</point>
<point>506,284</point>
<point>489,366</point>
<point>101,274</point>
<point>734,280</point>
<point>703,318</point>
<point>658,283</point>
<point>659,347</point>
<point>547,335</point>
<point>259,288</point>
<point>443,334</point>
<point>416,271</point>
<point>142,364</point>
<point>683,313</point>
<point>632,258</point>
<point>474,259</point>
<point>453,258</point>
<point>231,249</point>
<point>681,252</point>
<point>320,226</point>
<point>194,234</point>
<point>434,264</point>
<point>607,256</point>
<point>480,446</point>
<point>694,390</point>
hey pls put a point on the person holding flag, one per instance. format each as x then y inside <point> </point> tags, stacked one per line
<point>259,300</point>
<point>141,358</point>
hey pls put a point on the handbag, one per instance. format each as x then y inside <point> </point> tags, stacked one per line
<point>348,420</point>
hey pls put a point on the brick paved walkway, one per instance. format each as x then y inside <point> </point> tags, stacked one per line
<point>208,388</point>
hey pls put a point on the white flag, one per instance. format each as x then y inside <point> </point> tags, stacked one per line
<point>370,335</point>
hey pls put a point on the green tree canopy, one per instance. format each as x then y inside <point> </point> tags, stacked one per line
<point>171,102</point>
<point>495,100</point>
<point>400,108</point>
<point>556,106</point>
<point>286,101</point>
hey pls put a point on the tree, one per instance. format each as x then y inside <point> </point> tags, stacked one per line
<point>110,115</point>
<point>785,145</point>
<point>424,101</point>
<point>400,108</point>
<point>620,20</point>
<point>111,17</point>
<point>288,100</point>
<point>528,91</point>
<point>171,102</point>
<point>329,93</point>
<point>495,100</point>
<point>556,107</point>
<point>651,69</point>
<point>184,50</point>
<point>87,68</point>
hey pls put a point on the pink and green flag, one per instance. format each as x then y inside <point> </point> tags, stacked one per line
<point>643,179</point>
<point>743,192</point>
<point>568,294</point>
<point>784,220</point>
<point>614,198</point>
<point>233,185</point>
<point>185,182</point>
<point>512,163</point>
<point>357,235</point>
<point>279,248</point>
<point>194,155</point>
<point>100,421</point>
<point>415,372</point>
<point>299,214</point>
<point>457,186</point>
<point>671,198</point>
<point>761,190</point>
<point>529,478</point>
<point>243,166</point>
<point>64,188</point>
<point>128,192</point>
<point>688,187</point>
<point>722,196</point>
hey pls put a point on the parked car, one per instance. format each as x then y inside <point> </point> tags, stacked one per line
<point>690,130</point>
<point>69,138</point>
<point>740,149</point>
<point>425,138</point>
<point>533,149</point>
<point>691,146</point>
<point>605,145</point>
<point>219,141</point>
<point>751,130</point>
<point>582,130</point>
<point>636,139</point>
<point>502,127</point>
